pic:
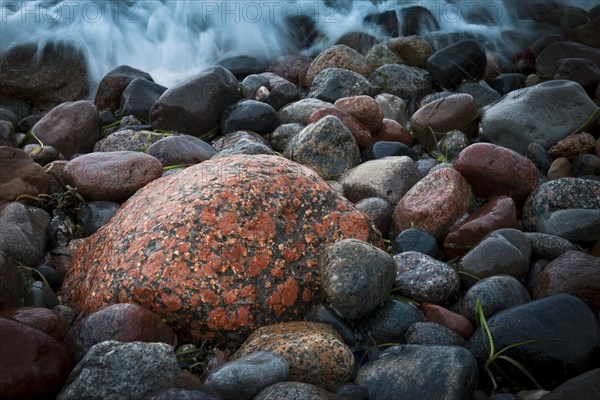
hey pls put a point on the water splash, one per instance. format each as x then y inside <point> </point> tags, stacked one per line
<point>173,39</point>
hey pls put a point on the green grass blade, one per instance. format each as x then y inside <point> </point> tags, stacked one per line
<point>521,368</point>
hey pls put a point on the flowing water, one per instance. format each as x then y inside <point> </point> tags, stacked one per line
<point>173,39</point>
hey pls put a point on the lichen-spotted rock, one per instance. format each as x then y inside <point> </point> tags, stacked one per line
<point>218,249</point>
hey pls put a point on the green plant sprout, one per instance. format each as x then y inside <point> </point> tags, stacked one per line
<point>395,295</point>
<point>23,267</point>
<point>494,355</point>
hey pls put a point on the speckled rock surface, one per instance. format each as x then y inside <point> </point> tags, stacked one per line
<point>575,273</point>
<point>315,352</point>
<point>425,279</point>
<point>573,145</point>
<point>339,56</point>
<point>20,175</point>
<point>560,194</point>
<point>431,333</point>
<point>299,111</point>
<point>296,391</point>
<point>548,246</point>
<point>112,176</point>
<point>127,139</point>
<point>434,204</point>
<point>218,249</point>
<point>360,132</point>
<point>363,108</point>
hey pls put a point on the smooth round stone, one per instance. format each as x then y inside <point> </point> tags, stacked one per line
<point>283,134</point>
<point>430,333</point>
<point>585,164</point>
<point>425,279</point>
<point>426,164</point>
<point>338,56</point>
<point>361,134</point>
<point>7,133</point>
<point>388,323</point>
<point>283,94</point>
<point>246,376</point>
<point>573,272</point>
<point>94,214</point>
<point>381,54</point>
<point>20,175</point>
<point>299,111</point>
<point>332,84</point>
<point>560,168</point>
<point>393,131</point>
<point>413,239</point>
<point>506,83</point>
<point>482,93</point>
<point>547,246</point>
<point>576,224</point>
<point>402,80</point>
<point>179,394</point>
<point>414,50</point>
<point>249,115</point>
<point>358,41</point>
<point>242,66</point>
<point>495,293</point>
<point>451,65</point>
<point>51,275</point>
<point>452,144</point>
<point>356,277</point>
<point>379,212</point>
<point>39,294</point>
<point>540,157</point>
<point>325,315</point>
<point>12,283</point>
<point>384,149</point>
<point>392,107</point>
<point>252,83</point>
<point>181,150</point>
<point>364,109</point>
<point>583,387</point>
<point>139,97</point>
<point>573,146</point>
<point>24,233</point>
<point>43,319</point>
<point>296,391</point>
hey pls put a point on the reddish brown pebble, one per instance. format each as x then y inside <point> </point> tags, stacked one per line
<point>42,319</point>
<point>364,109</point>
<point>392,131</point>
<point>573,145</point>
<point>453,321</point>
<point>497,171</point>
<point>359,131</point>
<point>434,204</point>
<point>500,212</point>
<point>217,249</point>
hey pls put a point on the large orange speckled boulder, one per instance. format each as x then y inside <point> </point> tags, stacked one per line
<point>219,249</point>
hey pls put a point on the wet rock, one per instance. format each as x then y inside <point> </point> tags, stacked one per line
<point>246,376</point>
<point>24,232</point>
<point>540,157</point>
<point>495,293</point>
<point>70,128</point>
<point>113,370</point>
<point>113,84</point>
<point>11,285</point>
<point>496,171</point>
<point>499,212</point>
<point>290,67</point>
<point>464,60</point>
<point>547,61</point>
<point>452,144</point>
<point>299,111</point>
<point>45,75</point>
<point>431,122</point>
<point>583,387</point>
<point>430,333</point>
<point>20,175</point>
<point>266,263</point>
<point>9,116</point>
<point>413,50</point>
<point>388,323</point>
<point>392,131</point>
<point>39,294</point>
<point>356,277</point>
<point>575,225</point>
<point>547,246</point>
<point>585,165</point>
<point>179,394</point>
<point>296,391</point>
<point>392,107</point>
<point>315,352</point>
<point>249,115</point>
<point>181,150</point>
<point>565,332</point>
<point>380,54</point>
<point>425,279</point>
<point>482,93</point>
<point>252,83</point>
<point>24,347</point>
<point>242,66</point>
<point>338,56</point>
<point>138,98</point>
<point>7,134</point>
<point>506,83</point>
<point>112,176</point>
<point>95,214</point>
<point>573,145</point>
<point>50,274</point>
<point>39,318</point>
<point>434,204</point>
<point>332,84</point>
<point>455,322</point>
<point>581,70</point>
<point>415,240</point>
<point>359,41</point>
<point>560,168</point>
<point>124,322</point>
<point>409,371</point>
<point>282,135</point>
<point>573,272</point>
<point>326,315</point>
<point>195,106</point>
<point>378,211</point>
<point>325,146</point>
<point>381,150</point>
<point>364,109</point>
<point>505,251</point>
<point>283,94</point>
<point>551,111</point>
<point>402,80</point>
<point>389,178</point>
<point>128,140</point>
<point>359,131</point>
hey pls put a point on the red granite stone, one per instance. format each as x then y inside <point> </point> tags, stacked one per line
<point>218,249</point>
<point>435,204</point>
<point>453,321</point>
<point>364,109</point>
<point>497,171</point>
<point>500,212</point>
<point>42,319</point>
<point>359,131</point>
<point>392,131</point>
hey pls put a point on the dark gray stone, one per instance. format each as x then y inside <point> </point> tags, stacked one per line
<point>299,111</point>
<point>482,93</point>
<point>325,315</point>
<point>414,239</point>
<point>94,214</point>
<point>181,150</point>
<point>495,293</point>
<point>402,81</point>
<point>388,323</point>
<point>282,135</point>
<point>424,372</point>
<point>506,83</point>
<point>540,157</point>
<point>548,246</point>
<point>583,387</point>
<point>39,294</point>
<point>114,370</point>
<point>585,164</point>
<point>356,276</point>
<point>249,115</point>
<point>566,333</point>
<point>425,279</point>
<point>386,149</point>
<point>464,60</point>
<point>24,232</point>
<point>180,394</point>
<point>252,83</point>
<point>12,284</point>
<point>295,391</point>
<point>243,66</point>
<point>139,97</point>
<point>246,376</point>
<point>431,333</point>
<point>379,212</point>
<point>332,84</point>
<point>7,134</point>
<point>325,146</point>
<point>283,94</point>
<point>576,224</point>
<point>195,106</point>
